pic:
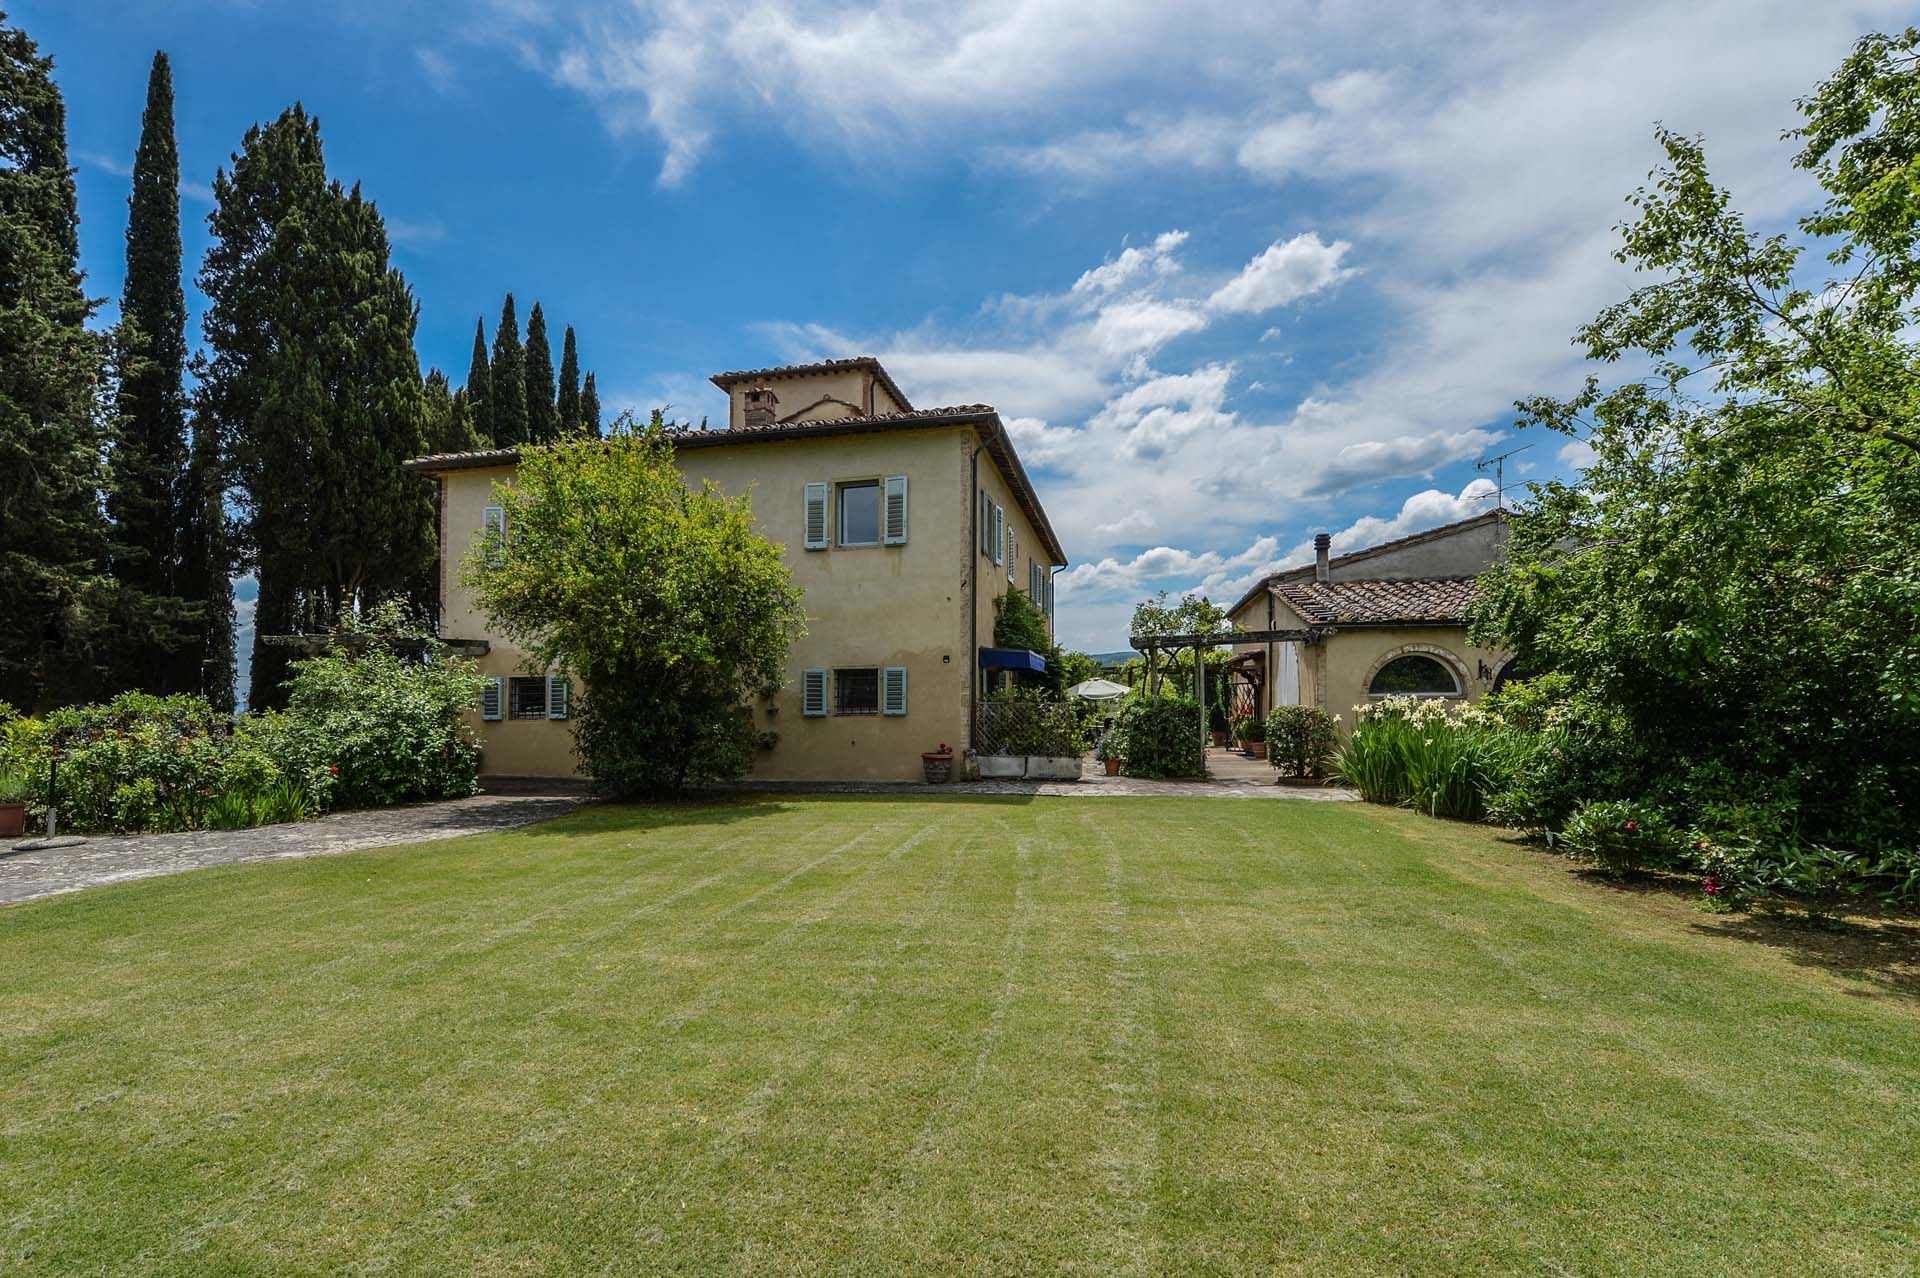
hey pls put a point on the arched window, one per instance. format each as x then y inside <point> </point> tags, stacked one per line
<point>1512,672</point>
<point>1414,674</point>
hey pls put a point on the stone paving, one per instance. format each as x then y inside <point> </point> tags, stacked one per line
<point>111,858</point>
<point>1233,776</point>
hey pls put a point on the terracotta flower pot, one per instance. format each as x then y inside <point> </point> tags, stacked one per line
<point>1113,767</point>
<point>938,767</point>
<point>13,820</point>
<point>1219,739</point>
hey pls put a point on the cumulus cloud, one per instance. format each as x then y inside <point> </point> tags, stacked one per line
<point>1283,273</point>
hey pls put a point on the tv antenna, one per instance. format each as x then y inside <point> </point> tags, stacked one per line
<point>1499,464</point>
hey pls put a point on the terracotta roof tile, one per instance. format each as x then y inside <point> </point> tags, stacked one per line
<point>853,363</point>
<point>1351,603</point>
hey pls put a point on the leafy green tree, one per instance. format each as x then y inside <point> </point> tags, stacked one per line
<point>541,423</point>
<point>1732,588</point>
<point>149,453</point>
<point>53,537</point>
<point>479,387</point>
<point>311,381</point>
<point>662,600</point>
<point>507,407</point>
<point>449,417</point>
<point>567,406</point>
<point>590,406</point>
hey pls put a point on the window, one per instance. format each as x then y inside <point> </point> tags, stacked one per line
<point>527,698</point>
<point>860,513</point>
<point>1414,675</point>
<point>856,691</point>
<point>493,527</point>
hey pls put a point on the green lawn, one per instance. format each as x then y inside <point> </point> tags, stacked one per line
<point>892,1036</point>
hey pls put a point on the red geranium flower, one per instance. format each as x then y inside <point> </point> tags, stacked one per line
<point>334,768</point>
<point>1710,885</point>
<point>1632,826</point>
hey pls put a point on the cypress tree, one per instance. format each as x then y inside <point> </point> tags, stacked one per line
<point>53,537</point>
<point>449,417</point>
<point>541,426</point>
<point>567,404</point>
<point>508,409</point>
<point>590,407</point>
<point>150,449</point>
<point>312,383</point>
<point>205,570</point>
<point>479,384</point>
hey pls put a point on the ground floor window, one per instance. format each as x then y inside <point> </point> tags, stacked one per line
<point>527,698</point>
<point>856,690</point>
<point>1414,674</point>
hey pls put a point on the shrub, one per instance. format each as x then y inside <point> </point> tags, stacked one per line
<point>371,723</point>
<point>1161,738</point>
<point>1250,729</point>
<point>134,764</point>
<point>1299,740</point>
<point>1424,753</point>
<point>1621,838</point>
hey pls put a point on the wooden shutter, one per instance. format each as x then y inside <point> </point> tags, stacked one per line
<point>813,693</point>
<point>893,511</point>
<point>999,532</point>
<point>1012,551</point>
<point>893,690</point>
<point>493,698</point>
<point>815,533</point>
<point>986,524</point>
<point>557,689</point>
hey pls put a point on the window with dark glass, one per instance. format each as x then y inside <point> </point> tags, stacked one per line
<point>860,514</point>
<point>856,691</point>
<point>527,698</point>
<point>1414,675</point>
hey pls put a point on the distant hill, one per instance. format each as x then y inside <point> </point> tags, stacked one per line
<point>1114,658</point>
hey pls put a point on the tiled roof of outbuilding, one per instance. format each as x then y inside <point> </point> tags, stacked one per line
<point>1357,603</point>
<point>853,363</point>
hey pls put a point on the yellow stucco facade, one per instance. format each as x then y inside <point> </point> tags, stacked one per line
<point>869,607</point>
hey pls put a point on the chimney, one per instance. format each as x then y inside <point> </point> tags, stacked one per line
<point>1322,569</point>
<point>759,410</point>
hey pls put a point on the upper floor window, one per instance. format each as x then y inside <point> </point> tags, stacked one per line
<point>860,513</point>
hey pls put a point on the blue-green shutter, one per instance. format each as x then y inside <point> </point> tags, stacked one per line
<point>999,532</point>
<point>814,534</point>
<point>813,693</point>
<point>893,690</point>
<point>557,690</point>
<point>893,511</point>
<point>493,698</point>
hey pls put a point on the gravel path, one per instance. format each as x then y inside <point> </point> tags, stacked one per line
<point>111,858</point>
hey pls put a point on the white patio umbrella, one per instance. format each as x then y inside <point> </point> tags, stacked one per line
<point>1098,690</point>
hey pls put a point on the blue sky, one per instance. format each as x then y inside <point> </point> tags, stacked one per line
<point>1233,273</point>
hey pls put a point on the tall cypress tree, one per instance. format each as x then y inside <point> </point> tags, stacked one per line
<point>449,417</point>
<point>479,386</point>
<point>540,420</point>
<point>508,411</point>
<point>150,448</point>
<point>53,537</point>
<point>590,407</point>
<point>567,403</point>
<point>312,382</point>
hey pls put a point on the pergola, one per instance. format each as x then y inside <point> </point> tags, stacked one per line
<point>1149,645</point>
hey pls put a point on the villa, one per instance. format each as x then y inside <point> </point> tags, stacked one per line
<point>1385,620</point>
<point>902,526</point>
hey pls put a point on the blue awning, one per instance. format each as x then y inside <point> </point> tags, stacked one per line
<point>1012,659</point>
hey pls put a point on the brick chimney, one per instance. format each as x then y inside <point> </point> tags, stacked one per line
<point>1322,568</point>
<point>759,410</point>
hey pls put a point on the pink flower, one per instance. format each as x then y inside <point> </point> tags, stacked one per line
<point>334,768</point>
<point>1631,826</point>
<point>1710,885</point>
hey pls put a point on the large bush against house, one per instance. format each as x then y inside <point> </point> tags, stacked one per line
<point>665,602</point>
<point>1732,589</point>
<point>1300,739</point>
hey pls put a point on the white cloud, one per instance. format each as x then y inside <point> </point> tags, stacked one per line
<point>1283,273</point>
<point>438,71</point>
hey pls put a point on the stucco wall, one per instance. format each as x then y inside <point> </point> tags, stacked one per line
<point>867,606</point>
<point>796,393</point>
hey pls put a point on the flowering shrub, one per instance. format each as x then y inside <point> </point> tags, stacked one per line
<point>1250,729</point>
<point>1621,838</point>
<point>1441,757</point>
<point>1299,740</point>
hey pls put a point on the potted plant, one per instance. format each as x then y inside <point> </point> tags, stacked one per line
<point>13,801</point>
<point>1217,726</point>
<point>1108,749</point>
<point>1253,736</point>
<point>938,764</point>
